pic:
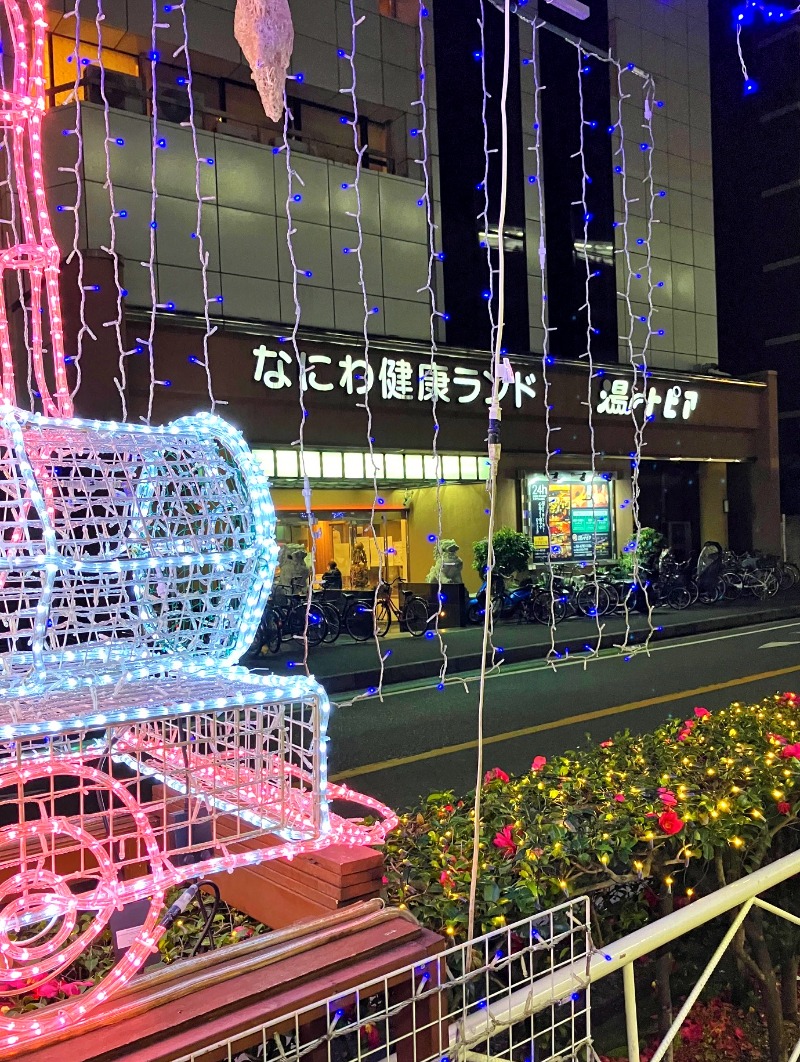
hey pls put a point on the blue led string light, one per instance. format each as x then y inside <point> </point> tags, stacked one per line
<point>358,251</point>
<point>202,253</point>
<point>293,176</point>
<point>435,314</point>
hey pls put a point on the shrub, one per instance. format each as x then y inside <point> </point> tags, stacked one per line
<point>512,551</point>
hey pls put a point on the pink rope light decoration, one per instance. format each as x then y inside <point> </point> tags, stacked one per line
<point>22,112</point>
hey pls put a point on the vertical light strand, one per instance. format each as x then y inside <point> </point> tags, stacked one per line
<point>628,338</point>
<point>490,284</point>
<point>435,316</point>
<point>111,249</point>
<point>293,180</point>
<point>357,215</point>
<point>538,174</point>
<point>483,217</point>
<point>590,275</point>
<point>202,253</point>
<point>150,265</point>
<point>647,413</point>
<point>494,450</point>
<point>75,252</point>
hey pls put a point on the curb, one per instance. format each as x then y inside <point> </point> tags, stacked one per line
<point>423,669</point>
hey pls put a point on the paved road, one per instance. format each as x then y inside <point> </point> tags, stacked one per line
<point>422,739</point>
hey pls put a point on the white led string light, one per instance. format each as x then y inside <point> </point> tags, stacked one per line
<point>117,321</point>
<point>358,251</point>
<point>494,458</point>
<point>77,170</point>
<point>202,253</point>
<point>293,196</point>
<point>538,174</point>
<point>435,315</point>
<point>483,217</point>
<point>150,264</point>
<point>591,331</point>
<point>648,90</point>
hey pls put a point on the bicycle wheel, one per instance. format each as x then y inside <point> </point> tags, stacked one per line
<point>710,595</point>
<point>333,622</point>
<point>613,596</point>
<point>415,614</point>
<point>679,598</point>
<point>383,618</point>
<point>733,586</point>
<point>359,620</point>
<point>314,629</point>
<point>694,591</point>
<point>593,600</point>
<point>547,609</point>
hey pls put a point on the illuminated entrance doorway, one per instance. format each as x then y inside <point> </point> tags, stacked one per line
<point>351,539</point>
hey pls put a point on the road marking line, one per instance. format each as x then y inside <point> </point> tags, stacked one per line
<point>557,724</point>
<point>458,679</point>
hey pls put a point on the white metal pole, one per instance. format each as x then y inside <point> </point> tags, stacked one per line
<point>631,1017</point>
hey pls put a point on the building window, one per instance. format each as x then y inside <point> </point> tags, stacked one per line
<point>122,73</point>
<point>403,10</point>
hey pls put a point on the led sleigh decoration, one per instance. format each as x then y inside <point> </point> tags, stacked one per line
<point>134,753</point>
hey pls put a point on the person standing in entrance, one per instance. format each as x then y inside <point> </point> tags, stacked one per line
<point>332,579</point>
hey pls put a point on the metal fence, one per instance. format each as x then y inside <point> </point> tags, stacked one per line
<point>427,1012</point>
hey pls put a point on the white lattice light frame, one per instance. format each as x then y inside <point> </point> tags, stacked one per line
<point>134,753</point>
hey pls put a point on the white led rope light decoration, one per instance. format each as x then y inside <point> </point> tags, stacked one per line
<point>494,457</point>
<point>202,253</point>
<point>358,251</point>
<point>435,315</point>
<point>300,359</point>
<point>111,250</point>
<point>538,174</point>
<point>483,217</point>
<point>77,169</point>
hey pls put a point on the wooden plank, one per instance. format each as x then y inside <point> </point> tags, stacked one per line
<point>267,994</point>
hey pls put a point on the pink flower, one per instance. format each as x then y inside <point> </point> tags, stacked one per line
<point>495,775</point>
<point>777,737</point>
<point>74,988</point>
<point>670,823</point>
<point>667,797</point>
<point>620,798</point>
<point>784,808</point>
<point>790,752</point>
<point>538,763</point>
<point>445,879</point>
<point>49,990</point>
<point>504,840</point>
<point>701,713</point>
<point>606,744</point>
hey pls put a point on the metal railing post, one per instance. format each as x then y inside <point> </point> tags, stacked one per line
<point>631,1016</point>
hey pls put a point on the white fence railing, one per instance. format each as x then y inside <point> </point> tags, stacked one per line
<point>521,993</point>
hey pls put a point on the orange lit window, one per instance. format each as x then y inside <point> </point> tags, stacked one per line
<point>60,64</point>
<point>403,10</point>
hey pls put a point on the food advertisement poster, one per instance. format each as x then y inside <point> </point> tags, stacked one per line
<point>570,517</point>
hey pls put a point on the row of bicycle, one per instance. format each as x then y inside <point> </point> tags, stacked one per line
<point>715,576</point>
<point>323,618</point>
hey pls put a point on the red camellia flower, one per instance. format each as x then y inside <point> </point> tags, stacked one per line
<point>446,880</point>
<point>538,763</point>
<point>784,808</point>
<point>606,744</point>
<point>667,797</point>
<point>504,840</point>
<point>670,823</point>
<point>495,775</point>
<point>790,752</point>
<point>620,798</point>
<point>49,990</point>
<point>701,713</point>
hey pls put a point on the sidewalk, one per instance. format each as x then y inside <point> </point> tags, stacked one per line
<point>349,666</point>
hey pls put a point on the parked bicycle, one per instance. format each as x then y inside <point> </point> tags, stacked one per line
<point>365,619</point>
